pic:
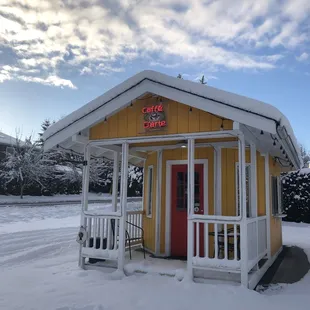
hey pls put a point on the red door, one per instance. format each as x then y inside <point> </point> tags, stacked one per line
<point>179,207</point>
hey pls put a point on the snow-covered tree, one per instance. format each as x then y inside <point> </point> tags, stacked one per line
<point>202,80</point>
<point>135,180</point>
<point>305,154</point>
<point>296,195</point>
<point>46,124</point>
<point>101,171</point>
<point>26,165</point>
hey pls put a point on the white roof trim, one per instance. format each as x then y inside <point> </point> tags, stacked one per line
<point>235,107</point>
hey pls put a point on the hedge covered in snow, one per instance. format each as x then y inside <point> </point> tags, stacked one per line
<point>296,195</point>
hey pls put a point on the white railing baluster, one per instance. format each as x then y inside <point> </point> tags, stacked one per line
<point>88,231</point>
<point>109,231</point>
<point>225,242</point>
<point>215,241</point>
<point>132,228</point>
<point>197,239</point>
<point>101,232</point>
<point>116,234</point>
<point>206,236</point>
<point>235,243</point>
<point>94,232</point>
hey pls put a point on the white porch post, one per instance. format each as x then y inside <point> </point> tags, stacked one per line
<point>242,201</point>
<point>267,202</point>
<point>253,194</point>
<point>190,205</point>
<point>85,183</point>
<point>253,178</point>
<point>218,180</point>
<point>115,180</point>
<point>85,189</point>
<point>158,201</point>
<point>123,201</point>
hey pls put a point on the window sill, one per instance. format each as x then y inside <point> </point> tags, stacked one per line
<point>149,216</point>
<point>280,216</point>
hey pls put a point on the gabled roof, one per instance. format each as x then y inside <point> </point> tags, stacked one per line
<point>6,139</point>
<point>249,112</point>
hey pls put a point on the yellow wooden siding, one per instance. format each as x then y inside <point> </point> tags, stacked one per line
<point>129,121</point>
<point>229,190</point>
<point>275,223</point>
<point>261,193</point>
<point>149,222</point>
<point>229,160</point>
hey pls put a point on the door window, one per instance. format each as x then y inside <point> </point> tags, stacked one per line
<point>182,190</point>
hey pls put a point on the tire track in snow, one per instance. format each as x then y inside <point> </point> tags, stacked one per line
<point>20,248</point>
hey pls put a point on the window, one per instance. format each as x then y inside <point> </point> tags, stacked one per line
<point>247,189</point>
<point>276,192</point>
<point>182,190</point>
<point>149,196</point>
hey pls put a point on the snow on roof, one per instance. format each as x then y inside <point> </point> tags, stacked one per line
<point>6,139</point>
<point>243,103</point>
<point>304,171</point>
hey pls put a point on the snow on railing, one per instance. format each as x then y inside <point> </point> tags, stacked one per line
<point>102,233</point>
<point>102,236</point>
<point>216,244</point>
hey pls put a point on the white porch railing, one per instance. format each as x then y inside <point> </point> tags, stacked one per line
<point>256,240</point>
<point>216,244</point>
<point>134,226</point>
<point>102,234</point>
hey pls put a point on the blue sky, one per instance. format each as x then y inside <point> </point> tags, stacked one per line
<point>55,56</point>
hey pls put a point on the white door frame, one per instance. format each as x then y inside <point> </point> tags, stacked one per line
<point>169,164</point>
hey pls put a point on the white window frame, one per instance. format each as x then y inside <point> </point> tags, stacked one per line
<point>149,192</point>
<point>279,207</point>
<point>237,187</point>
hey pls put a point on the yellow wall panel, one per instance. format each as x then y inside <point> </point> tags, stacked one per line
<point>275,223</point>
<point>122,123</point>
<point>193,119</point>
<point>261,198</point>
<point>229,160</point>
<point>178,116</point>
<point>113,126</point>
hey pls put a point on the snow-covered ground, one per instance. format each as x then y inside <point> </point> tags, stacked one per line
<point>38,270</point>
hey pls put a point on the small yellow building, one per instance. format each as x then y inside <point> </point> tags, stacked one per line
<point>212,162</point>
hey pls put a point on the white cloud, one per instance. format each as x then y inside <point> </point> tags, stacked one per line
<point>52,80</point>
<point>86,70</point>
<point>89,37</point>
<point>303,57</point>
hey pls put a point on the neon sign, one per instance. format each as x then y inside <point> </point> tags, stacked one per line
<point>154,117</point>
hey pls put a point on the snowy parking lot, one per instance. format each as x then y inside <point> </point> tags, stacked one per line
<point>38,259</point>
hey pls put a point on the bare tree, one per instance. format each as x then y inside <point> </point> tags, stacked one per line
<point>25,164</point>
